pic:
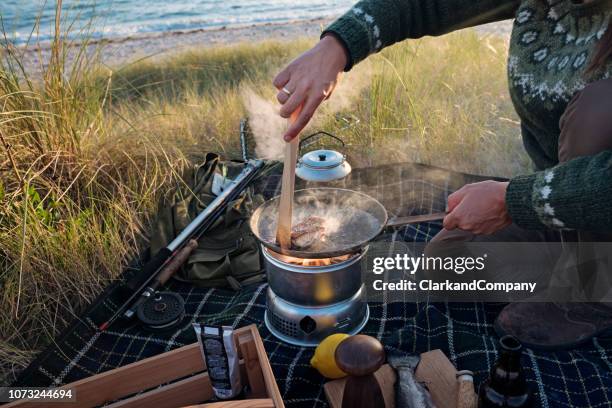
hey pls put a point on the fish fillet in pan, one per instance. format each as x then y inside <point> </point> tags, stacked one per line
<point>307,232</point>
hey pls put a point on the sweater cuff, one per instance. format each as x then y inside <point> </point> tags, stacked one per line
<point>520,204</point>
<point>347,53</point>
<point>354,36</point>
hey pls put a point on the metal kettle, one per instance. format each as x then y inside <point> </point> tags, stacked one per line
<point>322,165</point>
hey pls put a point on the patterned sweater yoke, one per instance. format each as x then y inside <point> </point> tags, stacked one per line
<point>551,46</point>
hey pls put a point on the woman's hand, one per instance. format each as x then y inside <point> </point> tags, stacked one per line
<point>309,79</point>
<point>479,208</point>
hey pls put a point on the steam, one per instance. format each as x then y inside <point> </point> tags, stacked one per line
<point>348,90</point>
<point>268,126</point>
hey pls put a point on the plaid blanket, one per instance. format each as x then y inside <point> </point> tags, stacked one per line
<point>577,378</point>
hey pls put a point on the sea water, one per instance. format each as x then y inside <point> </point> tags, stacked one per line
<point>123,18</point>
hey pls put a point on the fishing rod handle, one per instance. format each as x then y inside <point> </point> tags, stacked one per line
<point>156,262</point>
<point>175,263</point>
<point>150,269</point>
<point>168,269</point>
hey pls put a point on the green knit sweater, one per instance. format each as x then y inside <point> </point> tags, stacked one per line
<point>550,48</point>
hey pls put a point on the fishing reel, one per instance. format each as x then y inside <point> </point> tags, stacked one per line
<point>162,311</point>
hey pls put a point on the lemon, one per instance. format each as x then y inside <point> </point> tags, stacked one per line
<point>324,360</point>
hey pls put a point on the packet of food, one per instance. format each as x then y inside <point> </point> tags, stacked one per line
<point>219,352</point>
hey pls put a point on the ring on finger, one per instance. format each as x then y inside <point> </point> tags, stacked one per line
<point>285,90</point>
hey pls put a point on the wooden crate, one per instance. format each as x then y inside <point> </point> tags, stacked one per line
<point>186,382</point>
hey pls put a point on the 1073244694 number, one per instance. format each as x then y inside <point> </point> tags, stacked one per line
<point>9,394</point>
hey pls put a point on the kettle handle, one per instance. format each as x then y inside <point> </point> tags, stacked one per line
<point>322,133</point>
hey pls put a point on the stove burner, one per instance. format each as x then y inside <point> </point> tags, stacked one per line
<point>309,299</point>
<point>306,326</point>
<point>162,312</point>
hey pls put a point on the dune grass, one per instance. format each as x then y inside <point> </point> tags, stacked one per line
<point>87,150</point>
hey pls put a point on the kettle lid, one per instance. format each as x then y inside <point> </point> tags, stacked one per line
<point>322,165</point>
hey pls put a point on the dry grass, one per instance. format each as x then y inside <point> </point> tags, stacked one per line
<point>441,101</point>
<point>86,152</point>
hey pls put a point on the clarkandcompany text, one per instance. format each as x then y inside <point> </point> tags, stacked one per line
<point>434,286</point>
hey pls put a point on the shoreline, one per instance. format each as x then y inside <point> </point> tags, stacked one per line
<point>208,31</point>
<point>123,50</point>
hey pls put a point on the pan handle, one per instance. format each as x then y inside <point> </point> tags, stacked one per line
<point>413,219</point>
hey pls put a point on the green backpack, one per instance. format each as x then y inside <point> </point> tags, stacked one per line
<point>228,254</point>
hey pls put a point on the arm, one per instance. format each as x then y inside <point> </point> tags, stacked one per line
<point>573,195</point>
<point>366,28</point>
<point>374,24</point>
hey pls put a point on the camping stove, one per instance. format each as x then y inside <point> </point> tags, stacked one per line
<point>309,299</point>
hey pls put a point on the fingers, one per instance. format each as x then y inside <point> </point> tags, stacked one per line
<point>456,215</point>
<point>455,198</point>
<point>282,78</point>
<point>299,95</point>
<point>297,98</point>
<point>451,221</point>
<point>283,96</point>
<point>308,110</point>
<point>459,218</point>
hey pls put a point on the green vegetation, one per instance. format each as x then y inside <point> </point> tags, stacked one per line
<point>86,151</point>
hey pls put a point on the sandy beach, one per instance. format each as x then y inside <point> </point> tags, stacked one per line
<point>116,52</point>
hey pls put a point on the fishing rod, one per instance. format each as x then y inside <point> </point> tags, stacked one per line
<point>167,260</point>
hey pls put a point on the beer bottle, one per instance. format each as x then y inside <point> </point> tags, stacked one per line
<point>506,386</point>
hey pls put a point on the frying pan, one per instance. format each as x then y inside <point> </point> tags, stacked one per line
<point>352,219</point>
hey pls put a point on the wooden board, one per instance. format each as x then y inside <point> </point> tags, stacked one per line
<point>439,375</point>
<point>334,390</point>
<point>434,370</point>
<point>266,368</point>
<point>191,390</point>
<point>252,367</point>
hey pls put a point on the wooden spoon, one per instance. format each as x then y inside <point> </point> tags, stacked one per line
<point>285,207</point>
